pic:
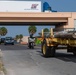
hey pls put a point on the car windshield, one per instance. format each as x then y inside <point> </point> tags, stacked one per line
<point>9,39</point>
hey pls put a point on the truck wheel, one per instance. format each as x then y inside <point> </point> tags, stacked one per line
<point>52,51</point>
<point>41,47</point>
<point>69,49</point>
<point>74,51</point>
<point>47,50</point>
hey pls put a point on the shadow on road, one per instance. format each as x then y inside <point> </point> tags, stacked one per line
<point>66,57</point>
<point>62,56</point>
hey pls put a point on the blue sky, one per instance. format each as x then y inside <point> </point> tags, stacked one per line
<point>16,30</point>
<point>59,5</point>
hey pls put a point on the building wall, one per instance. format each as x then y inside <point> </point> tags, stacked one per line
<point>25,39</point>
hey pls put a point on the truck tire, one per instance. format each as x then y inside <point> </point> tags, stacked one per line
<point>53,49</point>
<point>74,51</point>
<point>41,47</point>
<point>71,49</point>
<point>48,51</point>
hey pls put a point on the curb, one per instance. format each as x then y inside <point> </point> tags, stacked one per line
<point>2,71</point>
<point>1,53</point>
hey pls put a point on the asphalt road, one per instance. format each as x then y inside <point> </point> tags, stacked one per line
<point>20,60</point>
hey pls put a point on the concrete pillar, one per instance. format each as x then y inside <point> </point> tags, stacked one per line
<point>67,25</point>
<point>59,27</point>
<point>70,23</point>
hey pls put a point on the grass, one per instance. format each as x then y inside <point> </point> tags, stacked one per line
<point>2,68</point>
<point>38,42</point>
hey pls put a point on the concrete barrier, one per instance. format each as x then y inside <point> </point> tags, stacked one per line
<point>23,43</point>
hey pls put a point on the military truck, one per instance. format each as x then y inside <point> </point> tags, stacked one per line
<point>50,42</point>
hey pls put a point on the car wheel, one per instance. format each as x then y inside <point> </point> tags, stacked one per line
<point>4,44</point>
<point>12,43</point>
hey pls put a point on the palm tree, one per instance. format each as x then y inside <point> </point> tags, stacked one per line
<point>20,36</point>
<point>17,37</point>
<point>32,30</point>
<point>46,32</point>
<point>3,31</point>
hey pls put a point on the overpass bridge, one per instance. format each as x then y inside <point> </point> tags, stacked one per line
<point>60,19</point>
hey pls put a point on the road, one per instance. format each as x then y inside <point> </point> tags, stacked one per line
<point>20,60</point>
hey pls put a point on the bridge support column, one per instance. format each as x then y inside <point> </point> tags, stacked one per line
<point>68,25</point>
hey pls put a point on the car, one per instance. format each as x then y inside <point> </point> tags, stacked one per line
<point>9,40</point>
<point>2,40</point>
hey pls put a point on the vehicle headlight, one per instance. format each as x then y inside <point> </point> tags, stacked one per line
<point>6,41</point>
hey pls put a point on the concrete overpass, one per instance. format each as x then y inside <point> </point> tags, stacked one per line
<point>59,19</point>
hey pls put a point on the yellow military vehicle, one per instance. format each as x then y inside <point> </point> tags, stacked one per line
<point>50,42</point>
